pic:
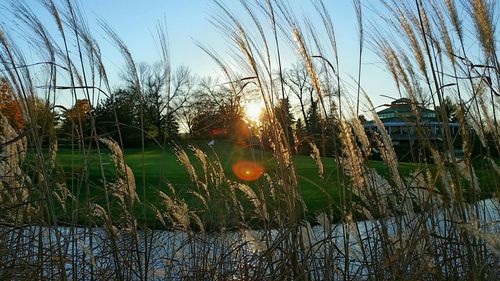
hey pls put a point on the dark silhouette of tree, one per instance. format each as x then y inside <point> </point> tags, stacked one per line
<point>285,118</point>
<point>163,95</point>
<point>213,111</point>
<point>300,136</point>
<point>452,110</point>
<point>43,118</point>
<point>297,81</point>
<point>172,127</point>
<point>282,117</point>
<point>117,117</point>
<point>362,119</point>
<point>313,115</point>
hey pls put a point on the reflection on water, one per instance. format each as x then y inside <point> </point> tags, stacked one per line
<point>81,252</point>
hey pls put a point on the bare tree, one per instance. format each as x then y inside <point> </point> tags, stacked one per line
<point>211,105</point>
<point>296,80</point>
<point>164,94</point>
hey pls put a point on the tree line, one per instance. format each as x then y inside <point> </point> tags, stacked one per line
<point>165,107</point>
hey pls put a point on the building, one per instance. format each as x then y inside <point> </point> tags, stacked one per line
<point>406,131</point>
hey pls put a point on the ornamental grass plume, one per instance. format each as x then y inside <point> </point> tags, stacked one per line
<point>315,155</point>
<point>176,210</point>
<point>124,186</point>
<point>421,190</point>
<point>387,219</point>
<point>13,180</point>
<point>184,159</point>
<point>258,203</point>
<point>483,16</point>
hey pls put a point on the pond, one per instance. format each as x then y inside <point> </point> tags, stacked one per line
<point>324,251</point>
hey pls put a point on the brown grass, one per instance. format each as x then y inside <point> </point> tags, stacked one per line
<point>427,225</point>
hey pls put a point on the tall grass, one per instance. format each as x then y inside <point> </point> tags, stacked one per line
<point>424,226</point>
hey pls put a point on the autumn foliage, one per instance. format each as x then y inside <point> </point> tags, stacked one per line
<point>10,107</point>
<point>79,111</point>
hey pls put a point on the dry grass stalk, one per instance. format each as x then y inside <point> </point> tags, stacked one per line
<point>13,180</point>
<point>483,13</point>
<point>259,204</point>
<point>422,190</point>
<point>353,158</point>
<point>184,159</point>
<point>445,34</point>
<point>124,187</point>
<point>455,19</point>
<point>406,245</point>
<point>176,210</point>
<point>316,156</point>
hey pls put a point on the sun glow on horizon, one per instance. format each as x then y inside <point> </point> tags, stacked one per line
<point>253,110</point>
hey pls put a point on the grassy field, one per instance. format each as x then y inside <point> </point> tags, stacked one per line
<point>155,169</point>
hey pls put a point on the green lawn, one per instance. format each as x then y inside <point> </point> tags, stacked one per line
<point>154,168</point>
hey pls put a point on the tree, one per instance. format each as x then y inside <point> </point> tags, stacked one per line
<point>172,129</point>
<point>208,124</point>
<point>199,115</point>
<point>285,118</point>
<point>38,113</point>
<point>300,136</point>
<point>154,106</point>
<point>314,128</point>
<point>297,81</point>
<point>9,106</point>
<point>452,110</point>
<point>117,117</point>
<point>42,117</point>
<point>280,116</point>
<point>163,96</point>
<point>214,110</point>
<point>76,120</point>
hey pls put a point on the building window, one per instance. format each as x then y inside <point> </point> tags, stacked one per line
<point>429,115</point>
<point>387,115</point>
<point>405,114</point>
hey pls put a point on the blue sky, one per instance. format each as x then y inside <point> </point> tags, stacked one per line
<point>188,23</point>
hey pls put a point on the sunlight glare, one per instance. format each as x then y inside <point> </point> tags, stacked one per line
<point>247,170</point>
<point>253,111</point>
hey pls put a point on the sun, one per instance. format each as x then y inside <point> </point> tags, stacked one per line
<point>253,110</point>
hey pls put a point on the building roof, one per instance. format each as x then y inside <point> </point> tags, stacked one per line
<point>401,111</point>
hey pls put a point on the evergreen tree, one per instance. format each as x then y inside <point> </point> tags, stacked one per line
<point>76,123</point>
<point>300,136</point>
<point>125,124</point>
<point>171,127</point>
<point>314,120</point>
<point>285,118</point>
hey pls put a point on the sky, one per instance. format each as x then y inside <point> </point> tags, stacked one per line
<point>188,22</point>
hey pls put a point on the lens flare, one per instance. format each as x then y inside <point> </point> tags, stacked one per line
<point>247,170</point>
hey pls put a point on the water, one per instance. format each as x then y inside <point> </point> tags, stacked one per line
<point>324,251</point>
